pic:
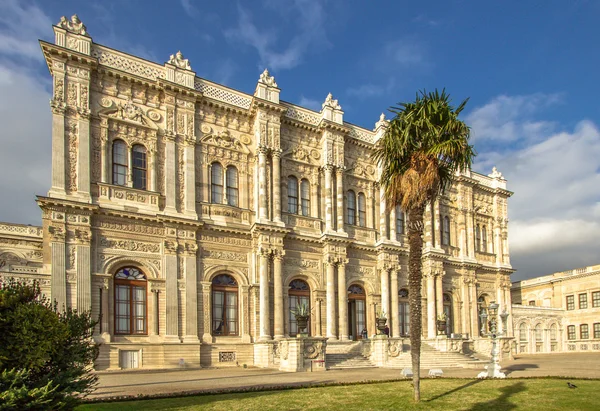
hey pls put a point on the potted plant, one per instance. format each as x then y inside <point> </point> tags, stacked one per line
<point>302,314</point>
<point>441,323</point>
<point>380,320</point>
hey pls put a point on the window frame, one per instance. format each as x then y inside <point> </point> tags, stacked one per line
<point>298,294</point>
<point>584,332</point>
<point>139,171</point>
<point>293,196</point>
<point>446,231</point>
<point>305,197</point>
<point>484,243</point>
<point>120,168</point>
<point>399,222</point>
<point>595,299</point>
<point>596,330</point>
<point>583,301</point>
<point>232,190</point>
<point>571,333</point>
<point>216,185</point>
<point>131,285</point>
<point>351,207</point>
<point>226,290</point>
<point>362,209</point>
<point>477,238</point>
<point>570,302</point>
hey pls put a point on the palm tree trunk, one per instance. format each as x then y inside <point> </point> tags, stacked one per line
<point>415,243</point>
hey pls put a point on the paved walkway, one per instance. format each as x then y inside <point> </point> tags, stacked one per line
<point>133,383</point>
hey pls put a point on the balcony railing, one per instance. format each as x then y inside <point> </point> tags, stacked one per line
<point>128,196</point>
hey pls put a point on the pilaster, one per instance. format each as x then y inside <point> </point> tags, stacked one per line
<point>342,300</point>
<point>172,298</point>
<point>395,308</point>
<point>339,179</point>
<point>191,293</point>
<point>278,294</point>
<point>83,269</point>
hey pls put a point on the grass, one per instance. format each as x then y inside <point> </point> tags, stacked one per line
<point>443,394</point>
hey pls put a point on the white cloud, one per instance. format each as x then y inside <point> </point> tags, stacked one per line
<point>310,103</point>
<point>554,174</point>
<point>309,32</point>
<point>405,52</point>
<point>189,8</point>
<point>372,90</point>
<point>20,27</point>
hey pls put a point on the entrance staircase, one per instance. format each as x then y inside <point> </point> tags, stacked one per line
<point>355,354</point>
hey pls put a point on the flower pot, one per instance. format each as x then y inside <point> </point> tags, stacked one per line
<point>302,322</point>
<point>441,326</point>
<point>380,324</point>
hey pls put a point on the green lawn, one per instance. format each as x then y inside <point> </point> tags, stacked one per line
<point>442,394</point>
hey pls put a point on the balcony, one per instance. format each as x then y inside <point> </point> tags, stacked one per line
<point>302,222</point>
<point>129,199</point>
<point>360,233</point>
<point>225,213</point>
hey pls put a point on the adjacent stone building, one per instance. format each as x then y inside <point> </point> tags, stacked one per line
<point>559,312</point>
<point>191,217</point>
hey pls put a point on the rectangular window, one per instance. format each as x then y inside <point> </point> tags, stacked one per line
<point>584,332</point>
<point>596,330</point>
<point>582,301</point>
<point>571,332</point>
<point>532,303</point>
<point>596,299</point>
<point>570,302</point>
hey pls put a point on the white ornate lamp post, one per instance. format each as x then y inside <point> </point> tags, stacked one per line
<point>493,369</point>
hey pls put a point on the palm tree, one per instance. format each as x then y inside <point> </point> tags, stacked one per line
<point>423,147</point>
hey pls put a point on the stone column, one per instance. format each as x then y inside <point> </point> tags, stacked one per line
<point>342,301</point>
<point>190,179</point>
<point>465,316</point>
<point>395,309</point>
<point>262,183</point>
<point>104,153</point>
<point>329,266</point>
<point>265,329</point>
<point>431,327</point>
<point>83,155</point>
<point>470,235</point>
<point>314,196</point>
<point>382,215</point>
<point>154,323</point>
<point>393,234</point>
<point>340,199</point>
<point>385,291</point>
<point>170,176</point>
<point>129,182</point>
<point>84,277</point>
<point>318,327</point>
<point>105,312</point>
<point>205,182</point>
<point>474,309</point>
<point>278,294</point>
<point>439,295</point>
<point>437,225</point>
<point>172,298</point>
<point>58,134</point>
<point>276,155</point>
<point>58,279</point>
<point>191,294</point>
<point>207,309</point>
<point>328,200</point>
<point>153,170</point>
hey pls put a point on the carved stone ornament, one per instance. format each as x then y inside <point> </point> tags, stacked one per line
<point>74,26</point>
<point>178,61</point>
<point>382,122</point>
<point>330,102</point>
<point>266,78</point>
<point>495,173</point>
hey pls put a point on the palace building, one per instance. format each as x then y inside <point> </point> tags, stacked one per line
<point>191,217</point>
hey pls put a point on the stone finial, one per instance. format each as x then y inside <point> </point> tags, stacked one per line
<point>74,26</point>
<point>267,79</point>
<point>382,122</point>
<point>178,61</point>
<point>330,102</point>
<point>496,173</point>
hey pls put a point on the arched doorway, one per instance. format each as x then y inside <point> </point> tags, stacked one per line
<point>403,312</point>
<point>224,305</point>
<point>449,314</point>
<point>131,312</point>
<point>298,294</point>
<point>357,312</point>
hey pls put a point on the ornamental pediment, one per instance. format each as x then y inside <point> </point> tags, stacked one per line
<point>129,113</point>
<point>361,170</point>
<point>225,139</point>
<point>302,153</point>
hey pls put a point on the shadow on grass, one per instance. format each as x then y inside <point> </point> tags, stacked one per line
<point>452,391</point>
<point>501,403</point>
<point>518,367</point>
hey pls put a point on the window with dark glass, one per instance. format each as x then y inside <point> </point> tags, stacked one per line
<point>596,330</point>
<point>484,247</point>
<point>596,299</point>
<point>232,186</point>
<point>305,197</point>
<point>523,332</point>
<point>584,332</point>
<point>224,305</point>
<point>583,301</point>
<point>447,300</point>
<point>298,294</point>
<point>119,160</point>
<point>351,207</point>
<point>571,332</point>
<point>140,171</point>
<point>403,312</point>
<point>292,195</point>
<point>553,332</point>
<point>570,302</point>
<point>446,231</point>
<point>216,183</point>
<point>357,311</point>
<point>130,301</point>
<point>477,238</point>
<point>532,302</point>
<point>399,222</point>
<point>362,210</point>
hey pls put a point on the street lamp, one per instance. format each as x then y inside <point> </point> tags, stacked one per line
<point>493,369</point>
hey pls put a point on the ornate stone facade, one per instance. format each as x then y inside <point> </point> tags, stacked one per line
<point>249,186</point>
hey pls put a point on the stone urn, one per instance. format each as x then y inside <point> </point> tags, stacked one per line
<point>380,324</point>
<point>441,326</point>
<point>302,321</point>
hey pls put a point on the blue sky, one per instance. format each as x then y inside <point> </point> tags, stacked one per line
<point>529,69</point>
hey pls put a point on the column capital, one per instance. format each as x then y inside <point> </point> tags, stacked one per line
<point>327,167</point>
<point>340,170</point>
<point>170,247</point>
<point>262,149</point>
<point>276,153</point>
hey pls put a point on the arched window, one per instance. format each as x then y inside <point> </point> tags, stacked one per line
<point>305,197</point>
<point>481,305</point>
<point>477,238</point>
<point>292,195</point>
<point>216,183</point>
<point>404,312</point>
<point>224,305</point>
<point>399,222</point>
<point>298,294</point>
<point>362,210</point>
<point>140,166</point>
<point>484,239</point>
<point>446,231</point>
<point>357,311</point>
<point>538,338</point>
<point>130,302</point>
<point>523,334</point>
<point>119,160</point>
<point>553,337</point>
<point>351,207</point>
<point>448,312</point>
<point>232,186</point>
